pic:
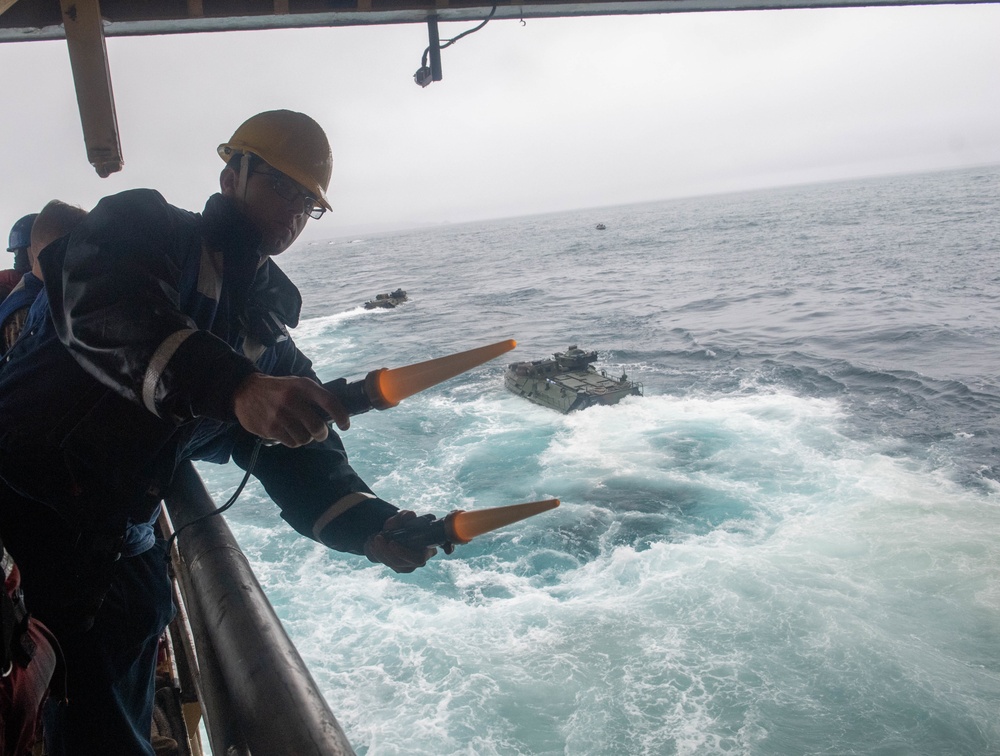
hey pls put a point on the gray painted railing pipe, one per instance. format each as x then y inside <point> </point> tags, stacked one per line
<point>270,703</point>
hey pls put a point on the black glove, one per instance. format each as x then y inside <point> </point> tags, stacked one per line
<point>394,555</point>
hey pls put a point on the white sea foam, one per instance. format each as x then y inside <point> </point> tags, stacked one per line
<point>711,642</point>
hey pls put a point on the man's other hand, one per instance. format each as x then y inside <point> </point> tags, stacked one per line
<point>394,555</point>
<point>291,410</point>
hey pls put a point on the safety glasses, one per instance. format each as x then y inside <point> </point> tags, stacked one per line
<point>289,191</point>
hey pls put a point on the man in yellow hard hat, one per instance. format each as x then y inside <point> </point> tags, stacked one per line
<point>161,336</point>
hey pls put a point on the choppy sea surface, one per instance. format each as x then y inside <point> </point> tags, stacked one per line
<point>789,545</point>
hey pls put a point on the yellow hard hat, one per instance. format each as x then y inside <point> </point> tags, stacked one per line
<point>290,142</point>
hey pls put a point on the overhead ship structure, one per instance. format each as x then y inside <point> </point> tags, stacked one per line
<point>85,24</point>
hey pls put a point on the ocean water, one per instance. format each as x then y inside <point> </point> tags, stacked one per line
<point>789,545</point>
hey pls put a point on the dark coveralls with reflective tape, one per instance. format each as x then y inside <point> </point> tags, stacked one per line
<point>151,318</point>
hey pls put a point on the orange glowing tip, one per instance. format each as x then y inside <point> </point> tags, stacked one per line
<point>396,384</point>
<point>462,527</point>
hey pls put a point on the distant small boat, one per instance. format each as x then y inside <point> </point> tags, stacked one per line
<point>386,301</point>
<point>600,227</point>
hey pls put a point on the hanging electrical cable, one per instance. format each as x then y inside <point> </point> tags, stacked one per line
<point>228,504</point>
<point>426,74</point>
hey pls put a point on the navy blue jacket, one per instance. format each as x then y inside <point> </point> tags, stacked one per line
<point>21,297</point>
<point>150,319</point>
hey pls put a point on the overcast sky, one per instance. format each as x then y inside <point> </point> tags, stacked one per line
<point>553,115</point>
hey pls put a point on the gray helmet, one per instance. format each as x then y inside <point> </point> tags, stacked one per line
<point>20,233</point>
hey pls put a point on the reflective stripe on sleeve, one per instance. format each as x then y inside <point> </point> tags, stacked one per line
<point>341,506</point>
<point>157,364</point>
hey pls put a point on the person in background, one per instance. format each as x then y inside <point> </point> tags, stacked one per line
<point>161,336</point>
<point>20,241</point>
<point>55,220</point>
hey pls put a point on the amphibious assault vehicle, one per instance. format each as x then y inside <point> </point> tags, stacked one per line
<point>568,382</point>
<point>386,301</point>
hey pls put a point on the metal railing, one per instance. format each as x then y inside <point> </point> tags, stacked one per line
<point>256,694</point>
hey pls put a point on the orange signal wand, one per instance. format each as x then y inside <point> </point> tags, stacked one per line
<point>460,527</point>
<point>385,388</point>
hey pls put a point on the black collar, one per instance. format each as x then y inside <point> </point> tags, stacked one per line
<point>266,287</point>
